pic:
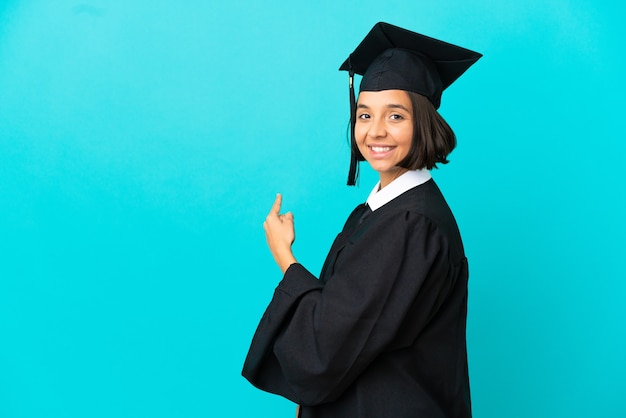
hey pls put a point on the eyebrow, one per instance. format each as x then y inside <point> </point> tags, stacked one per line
<point>390,106</point>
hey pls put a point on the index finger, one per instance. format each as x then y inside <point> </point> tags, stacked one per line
<point>276,206</point>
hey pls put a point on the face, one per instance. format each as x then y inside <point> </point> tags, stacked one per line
<point>384,131</point>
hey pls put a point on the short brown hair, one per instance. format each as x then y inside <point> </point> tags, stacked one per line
<point>433,139</point>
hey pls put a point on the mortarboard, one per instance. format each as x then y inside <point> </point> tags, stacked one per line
<point>391,58</point>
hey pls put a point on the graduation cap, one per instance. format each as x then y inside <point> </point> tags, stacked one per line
<point>393,58</point>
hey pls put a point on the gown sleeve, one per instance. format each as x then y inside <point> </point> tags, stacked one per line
<point>316,338</point>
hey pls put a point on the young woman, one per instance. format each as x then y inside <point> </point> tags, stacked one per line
<point>381,333</point>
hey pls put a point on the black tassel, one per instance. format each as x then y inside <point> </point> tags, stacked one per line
<point>353,174</point>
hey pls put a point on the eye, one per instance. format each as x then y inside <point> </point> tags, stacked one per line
<point>363,116</point>
<point>396,116</point>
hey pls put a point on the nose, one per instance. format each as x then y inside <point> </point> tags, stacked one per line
<point>377,129</point>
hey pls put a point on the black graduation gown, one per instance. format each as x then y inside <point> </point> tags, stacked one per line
<point>382,332</point>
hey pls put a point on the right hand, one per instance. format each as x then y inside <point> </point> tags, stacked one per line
<point>280,234</point>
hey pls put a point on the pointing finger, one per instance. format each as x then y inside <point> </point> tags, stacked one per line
<point>276,206</point>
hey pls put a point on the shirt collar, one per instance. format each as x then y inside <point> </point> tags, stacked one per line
<point>405,182</point>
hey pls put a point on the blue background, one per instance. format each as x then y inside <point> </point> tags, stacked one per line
<point>142,143</point>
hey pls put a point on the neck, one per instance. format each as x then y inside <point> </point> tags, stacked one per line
<point>387,177</point>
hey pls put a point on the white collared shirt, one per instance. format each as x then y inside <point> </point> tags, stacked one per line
<point>405,182</point>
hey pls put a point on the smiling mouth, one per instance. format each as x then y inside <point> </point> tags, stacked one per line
<point>380,149</point>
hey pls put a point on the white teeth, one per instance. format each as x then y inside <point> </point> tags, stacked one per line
<point>381,149</point>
